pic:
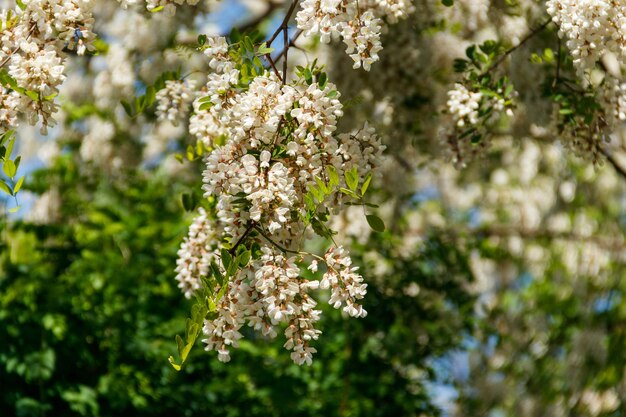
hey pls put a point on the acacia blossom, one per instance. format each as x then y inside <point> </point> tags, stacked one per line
<point>359,24</point>
<point>591,29</point>
<point>270,143</point>
<point>32,40</point>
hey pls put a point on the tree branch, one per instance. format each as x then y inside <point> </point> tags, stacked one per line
<point>618,168</point>
<point>519,45</point>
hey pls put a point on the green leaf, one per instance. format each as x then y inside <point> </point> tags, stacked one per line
<point>205,106</point>
<point>217,273</point>
<point>448,3</point>
<point>5,187</point>
<point>188,202</point>
<point>244,258</point>
<point>176,366</point>
<point>322,80</point>
<point>375,223</point>
<point>180,344</point>
<point>187,349</point>
<point>9,148</point>
<point>33,95</point>
<point>232,270</point>
<point>150,96</point>
<point>18,186</point>
<point>263,49</point>
<point>226,258</point>
<point>127,108</point>
<point>157,9</point>
<point>348,192</point>
<point>316,193</point>
<point>366,183</point>
<point>332,176</point>
<point>352,178</point>
<point>322,186</point>
<point>14,209</point>
<point>9,168</point>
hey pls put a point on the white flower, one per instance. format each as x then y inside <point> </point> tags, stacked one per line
<point>173,101</point>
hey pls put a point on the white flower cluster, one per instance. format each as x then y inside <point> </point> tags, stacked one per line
<point>347,286</point>
<point>32,41</point>
<point>615,101</point>
<point>196,253</point>
<point>463,105</point>
<point>173,101</point>
<point>592,28</point>
<point>358,24</point>
<point>465,134</point>
<point>9,102</point>
<point>278,139</point>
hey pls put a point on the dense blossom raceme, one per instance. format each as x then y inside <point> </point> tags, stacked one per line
<point>9,102</point>
<point>592,28</point>
<point>470,113</point>
<point>463,105</point>
<point>32,41</point>
<point>173,101</point>
<point>271,141</point>
<point>358,23</point>
<point>196,253</point>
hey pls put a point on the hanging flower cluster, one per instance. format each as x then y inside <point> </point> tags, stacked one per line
<point>586,121</point>
<point>470,113</point>
<point>359,24</point>
<point>592,28</point>
<point>173,101</point>
<point>277,169</point>
<point>32,59</point>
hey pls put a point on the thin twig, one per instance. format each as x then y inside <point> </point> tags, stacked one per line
<point>284,28</point>
<point>273,65</point>
<point>281,248</point>
<point>285,23</point>
<point>516,47</point>
<point>286,42</point>
<point>291,44</point>
<point>609,157</point>
<point>251,225</point>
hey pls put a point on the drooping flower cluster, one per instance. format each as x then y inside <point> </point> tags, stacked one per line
<point>271,142</point>
<point>9,102</point>
<point>465,134</point>
<point>592,28</point>
<point>587,134</point>
<point>173,101</point>
<point>196,253</point>
<point>463,105</point>
<point>32,41</point>
<point>358,23</point>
